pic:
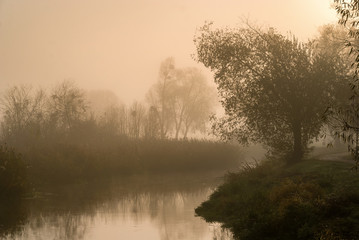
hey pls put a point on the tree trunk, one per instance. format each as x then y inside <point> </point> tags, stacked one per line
<point>185,132</point>
<point>177,132</point>
<point>297,154</point>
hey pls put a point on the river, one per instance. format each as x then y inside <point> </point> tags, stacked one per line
<point>156,207</point>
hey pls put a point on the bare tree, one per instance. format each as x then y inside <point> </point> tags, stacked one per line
<point>67,105</point>
<point>152,126</point>
<point>22,107</point>
<point>160,95</point>
<point>136,117</point>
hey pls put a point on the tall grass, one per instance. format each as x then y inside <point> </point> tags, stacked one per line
<point>68,159</point>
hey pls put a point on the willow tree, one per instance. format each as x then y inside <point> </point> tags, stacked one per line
<point>348,11</point>
<point>274,89</point>
<point>344,117</point>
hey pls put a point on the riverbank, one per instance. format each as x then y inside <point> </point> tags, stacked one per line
<point>310,200</point>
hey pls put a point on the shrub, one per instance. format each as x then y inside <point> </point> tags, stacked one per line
<point>12,172</point>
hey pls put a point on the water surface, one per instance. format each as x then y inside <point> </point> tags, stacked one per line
<point>137,207</point>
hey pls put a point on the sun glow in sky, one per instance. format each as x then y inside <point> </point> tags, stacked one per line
<point>119,44</point>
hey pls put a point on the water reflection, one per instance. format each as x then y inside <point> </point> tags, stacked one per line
<point>139,207</point>
<point>13,215</point>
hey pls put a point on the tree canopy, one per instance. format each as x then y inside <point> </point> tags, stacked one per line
<point>274,89</point>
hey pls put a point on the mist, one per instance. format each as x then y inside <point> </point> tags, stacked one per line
<point>178,119</point>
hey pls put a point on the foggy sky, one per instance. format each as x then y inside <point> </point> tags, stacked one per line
<point>119,44</point>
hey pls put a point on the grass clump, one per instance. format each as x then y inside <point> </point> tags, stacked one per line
<point>309,200</point>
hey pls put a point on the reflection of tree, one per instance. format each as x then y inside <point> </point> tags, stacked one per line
<point>220,233</point>
<point>164,204</point>
<point>57,227</point>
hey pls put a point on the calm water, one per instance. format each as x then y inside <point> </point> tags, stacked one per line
<point>139,207</point>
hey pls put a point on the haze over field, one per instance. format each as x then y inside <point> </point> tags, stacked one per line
<point>119,45</point>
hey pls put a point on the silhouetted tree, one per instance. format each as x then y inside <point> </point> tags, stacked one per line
<point>123,120</point>
<point>66,105</point>
<point>152,126</point>
<point>136,118</point>
<point>274,89</point>
<point>23,110</point>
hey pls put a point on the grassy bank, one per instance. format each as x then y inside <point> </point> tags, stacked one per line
<point>310,200</point>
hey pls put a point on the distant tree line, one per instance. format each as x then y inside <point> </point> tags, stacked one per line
<point>67,134</point>
<point>177,105</point>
